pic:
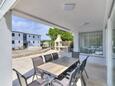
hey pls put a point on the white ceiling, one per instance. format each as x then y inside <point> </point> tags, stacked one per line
<point>1,1</point>
<point>86,14</point>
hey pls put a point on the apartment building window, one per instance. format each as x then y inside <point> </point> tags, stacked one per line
<point>19,34</point>
<point>33,42</point>
<point>91,42</point>
<point>33,36</point>
<point>29,35</point>
<point>13,34</point>
<point>18,41</point>
<point>13,42</point>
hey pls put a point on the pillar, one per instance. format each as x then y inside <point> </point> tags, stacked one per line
<point>109,53</point>
<point>104,42</point>
<point>5,50</point>
<point>76,42</point>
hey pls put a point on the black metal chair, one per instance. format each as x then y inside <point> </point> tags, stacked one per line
<point>77,55</point>
<point>73,78</point>
<point>83,65</point>
<point>37,61</point>
<point>55,56</point>
<point>23,80</point>
<point>48,58</point>
<point>74,55</point>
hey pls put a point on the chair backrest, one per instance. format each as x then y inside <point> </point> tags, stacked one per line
<point>21,78</point>
<point>75,54</point>
<point>82,66</point>
<point>48,58</point>
<point>55,56</point>
<point>37,61</point>
<point>75,76</point>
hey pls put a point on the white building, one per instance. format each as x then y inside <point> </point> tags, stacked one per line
<point>22,40</point>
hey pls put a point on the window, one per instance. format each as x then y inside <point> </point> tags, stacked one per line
<point>33,42</point>
<point>18,41</point>
<point>29,35</point>
<point>13,42</point>
<point>19,34</point>
<point>91,42</point>
<point>33,36</point>
<point>13,34</point>
<point>113,41</point>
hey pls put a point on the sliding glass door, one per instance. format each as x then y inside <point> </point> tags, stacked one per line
<point>91,42</point>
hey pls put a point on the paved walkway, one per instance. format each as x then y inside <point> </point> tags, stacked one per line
<point>28,52</point>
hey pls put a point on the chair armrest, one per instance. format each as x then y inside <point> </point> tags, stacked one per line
<point>68,73</point>
<point>67,77</point>
<point>28,75</point>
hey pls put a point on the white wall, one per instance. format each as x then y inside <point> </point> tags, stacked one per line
<point>5,51</point>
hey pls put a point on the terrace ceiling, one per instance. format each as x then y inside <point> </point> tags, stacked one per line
<point>85,14</point>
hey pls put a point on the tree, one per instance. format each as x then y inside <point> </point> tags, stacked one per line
<point>53,32</point>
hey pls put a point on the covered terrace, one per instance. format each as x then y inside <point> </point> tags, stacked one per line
<point>92,17</point>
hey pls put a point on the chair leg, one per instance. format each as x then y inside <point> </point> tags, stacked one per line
<point>82,78</point>
<point>33,77</point>
<point>37,77</point>
<point>60,84</point>
<point>86,73</point>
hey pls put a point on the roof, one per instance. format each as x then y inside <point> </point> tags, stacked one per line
<point>88,14</point>
<point>26,33</point>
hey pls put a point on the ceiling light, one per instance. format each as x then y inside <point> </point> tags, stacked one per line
<point>86,23</point>
<point>69,6</point>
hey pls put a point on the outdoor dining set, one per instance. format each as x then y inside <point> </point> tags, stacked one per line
<point>50,70</point>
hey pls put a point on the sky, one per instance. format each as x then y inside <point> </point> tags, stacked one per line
<point>29,26</point>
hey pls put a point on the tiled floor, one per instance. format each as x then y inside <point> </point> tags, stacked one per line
<point>96,70</point>
<point>97,75</point>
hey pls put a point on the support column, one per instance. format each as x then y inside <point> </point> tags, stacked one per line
<point>104,43</point>
<point>76,42</point>
<point>109,53</point>
<point>5,50</point>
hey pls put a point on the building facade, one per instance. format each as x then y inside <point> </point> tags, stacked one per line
<point>22,40</point>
